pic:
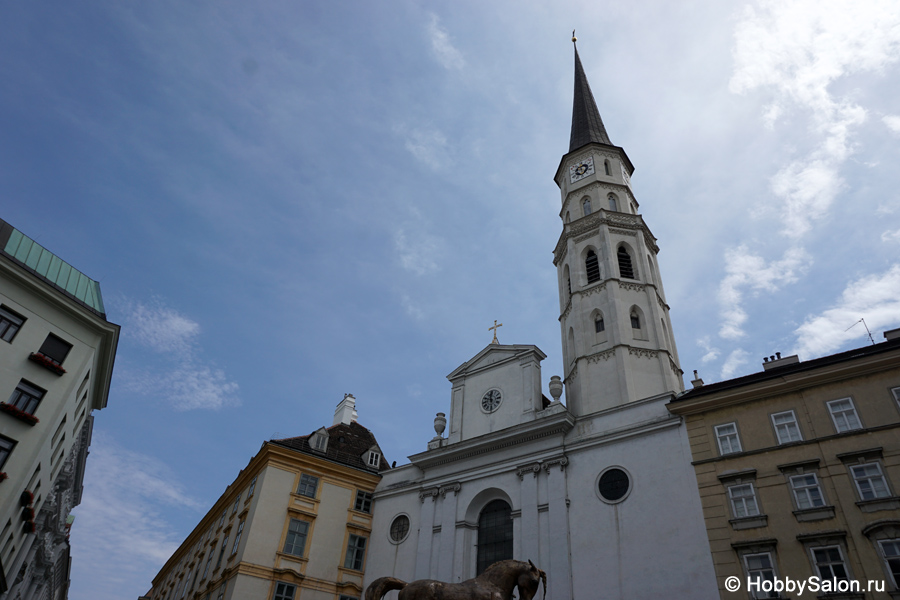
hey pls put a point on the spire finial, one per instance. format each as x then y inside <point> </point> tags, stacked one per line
<point>574,39</point>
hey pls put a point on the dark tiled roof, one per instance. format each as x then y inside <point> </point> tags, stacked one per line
<point>347,444</point>
<point>790,369</point>
<point>587,126</point>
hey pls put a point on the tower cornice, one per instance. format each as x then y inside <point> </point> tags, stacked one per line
<point>618,151</point>
<point>595,221</point>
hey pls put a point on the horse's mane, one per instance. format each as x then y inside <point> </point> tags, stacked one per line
<point>499,565</point>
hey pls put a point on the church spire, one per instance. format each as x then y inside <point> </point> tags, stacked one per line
<point>587,126</point>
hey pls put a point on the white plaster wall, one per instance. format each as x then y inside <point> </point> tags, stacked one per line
<point>266,518</point>
<point>327,551</point>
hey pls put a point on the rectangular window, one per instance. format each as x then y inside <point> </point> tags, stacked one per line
<point>896,393</point>
<point>222,520</point>
<point>759,569</point>
<point>890,550</point>
<point>870,481</point>
<point>807,492</point>
<point>222,591</point>
<point>10,323</point>
<point>743,500</point>
<point>208,562</point>
<point>295,542</point>
<point>252,487</point>
<point>55,348</point>
<point>843,413</point>
<point>222,552</point>
<point>308,486</point>
<point>374,459</point>
<point>829,563</point>
<point>786,427</point>
<point>26,397</point>
<point>6,447</point>
<point>237,503</point>
<point>363,501</point>
<point>356,553</point>
<point>728,438</point>
<point>187,581</point>
<point>284,591</point>
<point>237,539</point>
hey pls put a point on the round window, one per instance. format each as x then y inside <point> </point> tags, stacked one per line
<point>399,528</point>
<point>613,485</point>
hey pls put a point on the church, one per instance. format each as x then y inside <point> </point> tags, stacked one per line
<point>598,490</point>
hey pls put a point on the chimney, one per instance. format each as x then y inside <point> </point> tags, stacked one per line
<point>696,382</point>
<point>346,411</point>
<point>770,362</point>
<point>892,334</point>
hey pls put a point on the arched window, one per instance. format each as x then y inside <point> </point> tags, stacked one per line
<point>626,269</point>
<point>568,282</point>
<point>650,269</point>
<point>592,267</point>
<point>635,320</point>
<point>613,203</point>
<point>586,205</point>
<point>599,327</point>
<point>606,168</point>
<point>571,345</point>
<point>495,535</point>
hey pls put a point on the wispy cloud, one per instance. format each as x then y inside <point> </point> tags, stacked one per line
<point>426,144</point>
<point>121,533</point>
<point>891,236</point>
<point>443,49</point>
<point>709,352</point>
<point>416,251</point>
<point>747,271</point>
<point>735,361</point>
<point>875,298</point>
<point>797,49</point>
<point>892,122</point>
<point>188,382</point>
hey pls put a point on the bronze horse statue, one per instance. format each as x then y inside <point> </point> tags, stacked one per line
<point>496,583</point>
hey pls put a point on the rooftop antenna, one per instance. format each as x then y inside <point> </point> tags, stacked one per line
<point>869,333</point>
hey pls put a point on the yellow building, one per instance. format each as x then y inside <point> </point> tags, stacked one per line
<point>294,523</point>
<point>798,468</point>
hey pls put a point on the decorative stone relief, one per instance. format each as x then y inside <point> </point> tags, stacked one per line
<point>643,352</point>
<point>429,493</point>
<point>587,236</point>
<point>452,487</point>
<point>533,469</point>
<point>624,232</point>
<point>562,462</point>
<point>572,375</point>
<point>633,287</point>
<point>567,311</point>
<point>593,290</point>
<point>605,355</point>
<point>678,372</point>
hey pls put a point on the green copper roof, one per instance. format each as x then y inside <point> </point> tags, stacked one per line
<point>51,268</point>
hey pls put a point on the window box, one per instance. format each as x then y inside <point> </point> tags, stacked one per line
<point>46,362</point>
<point>19,414</point>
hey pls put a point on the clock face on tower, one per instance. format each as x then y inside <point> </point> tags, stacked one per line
<point>491,400</point>
<point>581,169</point>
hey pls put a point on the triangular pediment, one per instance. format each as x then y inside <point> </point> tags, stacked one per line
<point>495,355</point>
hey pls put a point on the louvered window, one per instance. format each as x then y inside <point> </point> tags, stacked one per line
<point>635,321</point>
<point>625,268</point>
<point>598,325</point>
<point>592,266</point>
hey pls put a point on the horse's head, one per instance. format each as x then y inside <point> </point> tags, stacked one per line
<point>528,582</point>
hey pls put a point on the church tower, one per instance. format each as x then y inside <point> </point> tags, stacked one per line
<point>617,338</point>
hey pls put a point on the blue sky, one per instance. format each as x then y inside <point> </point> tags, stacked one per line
<point>285,201</point>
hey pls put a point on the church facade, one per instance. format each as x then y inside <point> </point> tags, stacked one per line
<point>598,491</point>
